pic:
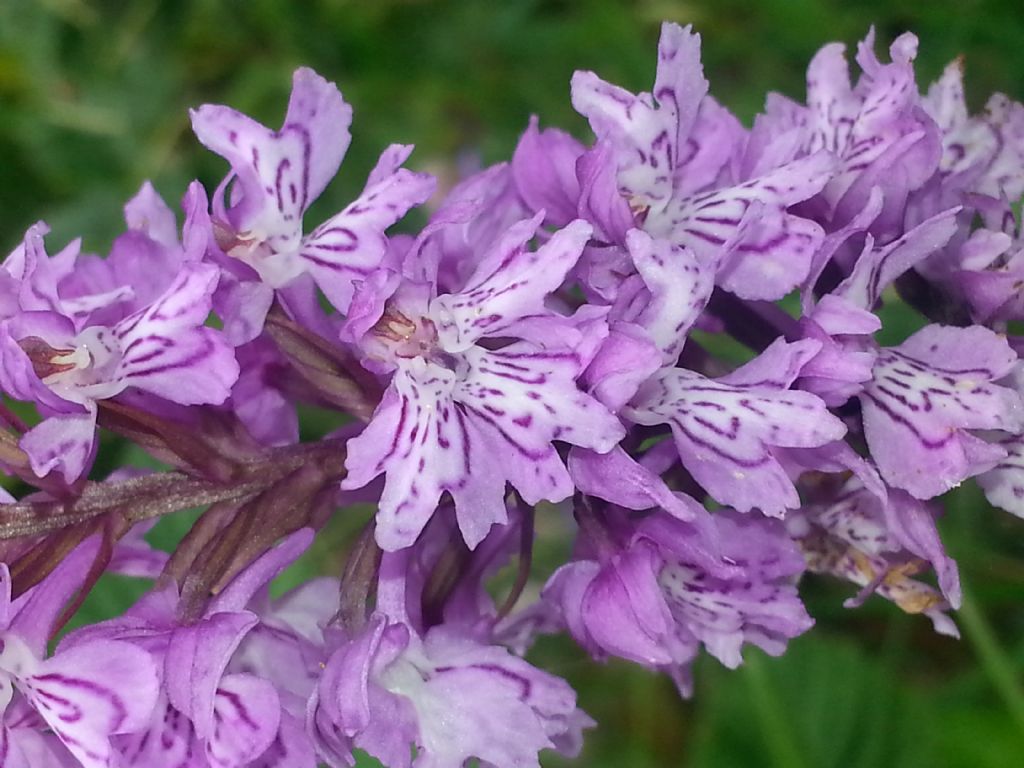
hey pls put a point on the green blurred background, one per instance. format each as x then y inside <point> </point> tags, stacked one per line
<point>94,100</point>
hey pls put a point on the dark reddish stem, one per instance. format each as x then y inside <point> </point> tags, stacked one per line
<point>141,498</point>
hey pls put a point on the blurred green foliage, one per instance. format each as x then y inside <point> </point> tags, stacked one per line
<point>94,98</point>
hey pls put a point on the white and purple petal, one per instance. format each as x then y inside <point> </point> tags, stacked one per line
<point>926,397</point>
<point>725,429</point>
<point>351,244</point>
<point>280,172</point>
<point>1004,483</point>
<point>760,606</point>
<point>509,284</point>
<point>248,713</point>
<point>424,443</point>
<point>165,348</point>
<point>88,693</point>
<point>679,289</point>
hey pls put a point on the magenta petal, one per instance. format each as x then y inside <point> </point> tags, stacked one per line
<point>1004,484</point>
<point>679,85</point>
<point>95,690</point>
<point>34,272</point>
<point>834,241</point>
<point>368,301</point>
<point>351,244</point>
<point>291,748</point>
<point>544,169</point>
<point>196,658</point>
<point>600,201</point>
<point>350,708</point>
<point>878,267</point>
<point>64,444</point>
<point>777,367</point>
<point>147,212</point>
<point>345,685</point>
<point>266,411</point>
<point>510,283</point>
<point>29,748</point>
<point>18,378</point>
<point>243,306</point>
<point>392,730</point>
<point>564,591</point>
<point>317,109</point>
<point>679,290</point>
<point>247,712</point>
<point>912,523</point>
<point>258,574</point>
<point>168,742</point>
<point>925,396</point>
<point>623,362</point>
<point>280,172</point>
<point>624,609</point>
<point>616,477</point>
<point>166,349</point>
<point>32,616</point>
<point>133,555</point>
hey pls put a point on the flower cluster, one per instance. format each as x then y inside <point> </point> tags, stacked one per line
<point>546,346</point>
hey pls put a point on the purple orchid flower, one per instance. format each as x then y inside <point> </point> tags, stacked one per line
<point>657,599</point>
<point>83,695</point>
<point>660,165</point>
<point>448,695</point>
<point>205,712</point>
<point>928,397</point>
<point>475,401</point>
<point>66,366</point>
<point>544,358</point>
<point>725,429</point>
<point>275,177</point>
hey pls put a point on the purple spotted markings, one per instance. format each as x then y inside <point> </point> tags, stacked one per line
<point>551,355</point>
<point>1004,483</point>
<point>276,175</point>
<point>66,365</point>
<point>474,402</point>
<point>669,150</point>
<point>929,399</point>
<point>446,694</point>
<point>726,429</point>
<point>759,606</point>
<point>67,707</point>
